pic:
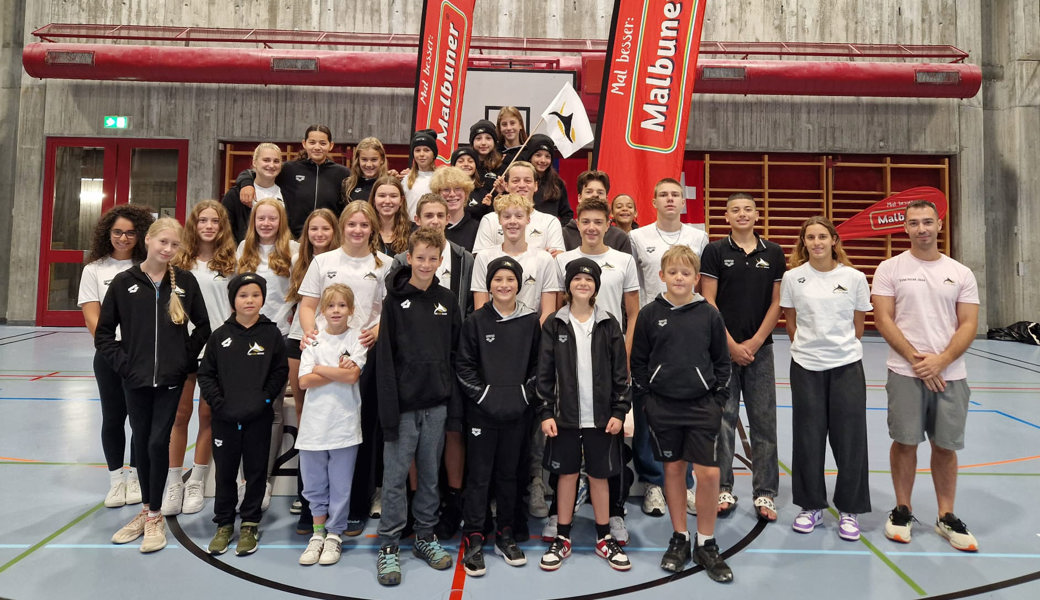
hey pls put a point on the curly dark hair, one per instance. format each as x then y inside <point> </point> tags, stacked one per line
<point>140,216</point>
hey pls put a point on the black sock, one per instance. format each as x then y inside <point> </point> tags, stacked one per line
<point>602,530</point>
<point>564,530</point>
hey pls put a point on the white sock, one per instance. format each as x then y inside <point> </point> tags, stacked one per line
<point>703,538</point>
<point>685,534</point>
<point>131,473</point>
<point>154,514</point>
<point>115,477</point>
<point>174,475</point>
<point>198,472</point>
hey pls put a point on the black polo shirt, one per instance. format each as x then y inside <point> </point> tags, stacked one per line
<point>463,233</point>
<point>745,288</point>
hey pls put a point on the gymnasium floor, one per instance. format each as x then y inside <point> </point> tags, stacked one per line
<point>54,530</point>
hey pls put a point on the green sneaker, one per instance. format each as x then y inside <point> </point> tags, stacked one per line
<point>220,542</point>
<point>388,566</point>
<point>248,536</point>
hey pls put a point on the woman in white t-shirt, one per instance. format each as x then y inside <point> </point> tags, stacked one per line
<point>825,302</point>
<point>208,251</point>
<point>118,243</point>
<point>423,148</point>
<point>269,251</point>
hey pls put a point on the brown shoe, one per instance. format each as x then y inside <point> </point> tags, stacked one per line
<point>132,530</point>
<point>154,534</point>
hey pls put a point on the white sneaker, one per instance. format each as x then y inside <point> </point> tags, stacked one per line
<point>331,551</point>
<point>171,504</point>
<point>116,495</point>
<point>132,530</point>
<point>691,502</point>
<point>133,490</point>
<point>194,497</point>
<point>549,531</point>
<point>154,535</point>
<point>266,502</point>
<point>312,554</point>
<point>956,532</point>
<point>377,504</point>
<point>653,501</point>
<point>618,530</point>
<point>537,505</point>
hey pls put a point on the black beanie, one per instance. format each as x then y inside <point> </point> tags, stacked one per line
<point>464,151</point>
<point>483,126</point>
<point>505,262</point>
<point>424,137</point>
<point>538,142</point>
<point>582,265</point>
<point>243,279</point>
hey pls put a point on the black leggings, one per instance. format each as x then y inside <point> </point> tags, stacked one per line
<point>152,412</point>
<point>113,415</point>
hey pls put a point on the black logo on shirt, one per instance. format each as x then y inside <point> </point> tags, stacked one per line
<point>801,280</point>
<point>949,281</point>
<point>650,249</point>
<point>370,276</point>
<point>839,289</point>
<point>330,274</point>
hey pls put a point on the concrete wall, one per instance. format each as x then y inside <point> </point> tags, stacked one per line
<point>994,168</point>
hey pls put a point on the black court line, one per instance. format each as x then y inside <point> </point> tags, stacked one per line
<point>37,335</point>
<point>991,353</point>
<point>986,589</point>
<point>1017,363</point>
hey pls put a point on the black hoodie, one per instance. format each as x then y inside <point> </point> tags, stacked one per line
<point>306,186</point>
<point>362,190</point>
<point>680,354</point>
<point>415,356</point>
<point>153,350</point>
<point>243,370</point>
<point>497,363</point>
<point>558,370</point>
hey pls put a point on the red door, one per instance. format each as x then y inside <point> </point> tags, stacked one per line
<point>83,178</point>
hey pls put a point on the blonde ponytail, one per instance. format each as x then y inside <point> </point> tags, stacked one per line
<point>176,308</point>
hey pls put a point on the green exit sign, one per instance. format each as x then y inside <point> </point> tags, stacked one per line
<point>117,122</point>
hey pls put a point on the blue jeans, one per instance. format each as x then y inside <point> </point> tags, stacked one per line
<point>420,437</point>
<point>757,381</point>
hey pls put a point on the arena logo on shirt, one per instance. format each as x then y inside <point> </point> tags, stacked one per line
<point>330,274</point>
<point>475,431</point>
<point>301,177</point>
<point>132,288</point>
<point>729,262</point>
<point>406,304</point>
<point>651,249</point>
<point>562,338</point>
<point>108,282</point>
<point>801,280</point>
<point>662,322</point>
<point>225,343</point>
<point>489,337</point>
<point>218,442</point>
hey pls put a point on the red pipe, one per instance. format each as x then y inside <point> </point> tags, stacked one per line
<point>397,70</point>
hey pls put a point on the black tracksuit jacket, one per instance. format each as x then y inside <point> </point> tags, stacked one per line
<point>243,370</point>
<point>558,370</point>
<point>496,366</point>
<point>153,350</point>
<point>306,186</point>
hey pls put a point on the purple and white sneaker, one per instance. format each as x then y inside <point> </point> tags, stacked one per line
<point>848,527</point>
<point>807,520</point>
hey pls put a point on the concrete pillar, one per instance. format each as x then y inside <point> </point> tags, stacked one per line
<point>11,33</point>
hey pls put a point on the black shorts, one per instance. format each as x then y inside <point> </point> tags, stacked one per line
<point>292,348</point>
<point>602,452</point>
<point>692,441</point>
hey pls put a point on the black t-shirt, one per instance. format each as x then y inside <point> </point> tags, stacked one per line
<point>463,233</point>
<point>745,288</point>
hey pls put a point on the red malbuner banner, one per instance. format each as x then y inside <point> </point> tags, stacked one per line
<point>888,215</point>
<point>440,79</point>
<point>645,101</point>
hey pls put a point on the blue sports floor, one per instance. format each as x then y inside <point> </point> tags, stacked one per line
<point>54,530</point>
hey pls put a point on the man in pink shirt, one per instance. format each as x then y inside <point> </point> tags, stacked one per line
<point>926,305</point>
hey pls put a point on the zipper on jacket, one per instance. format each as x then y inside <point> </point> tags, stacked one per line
<point>703,382</point>
<point>487,388</point>
<point>155,340</point>
<point>656,371</point>
<point>317,173</point>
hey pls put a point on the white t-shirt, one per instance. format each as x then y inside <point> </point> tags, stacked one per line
<point>544,231</point>
<point>540,275</point>
<point>583,344</point>
<point>825,303</point>
<point>361,275</point>
<point>926,294</point>
<point>214,288</point>
<point>262,193</point>
<point>413,193</point>
<point>333,416</point>
<point>96,277</point>
<point>619,276</point>
<point>444,271</point>
<point>648,246</point>
<point>275,306</point>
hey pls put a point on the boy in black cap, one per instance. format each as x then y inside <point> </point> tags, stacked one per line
<point>584,395</point>
<point>243,370</point>
<point>497,357</point>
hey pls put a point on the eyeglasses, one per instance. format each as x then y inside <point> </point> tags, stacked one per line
<point>118,233</point>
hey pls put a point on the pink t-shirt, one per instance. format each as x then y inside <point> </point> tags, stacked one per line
<point>926,293</point>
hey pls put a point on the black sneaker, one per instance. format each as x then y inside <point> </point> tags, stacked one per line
<point>521,532</point>
<point>305,524</point>
<point>505,546</point>
<point>708,557</point>
<point>677,554</point>
<point>473,555</point>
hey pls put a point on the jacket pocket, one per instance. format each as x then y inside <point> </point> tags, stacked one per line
<point>504,402</point>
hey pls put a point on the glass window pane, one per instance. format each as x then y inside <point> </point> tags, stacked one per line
<point>63,286</point>
<point>153,179</point>
<point>78,194</point>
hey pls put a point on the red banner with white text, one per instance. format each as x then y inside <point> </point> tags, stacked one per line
<point>887,216</point>
<point>440,79</point>
<point>645,101</point>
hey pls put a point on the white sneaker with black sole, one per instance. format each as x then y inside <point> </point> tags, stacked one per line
<point>653,501</point>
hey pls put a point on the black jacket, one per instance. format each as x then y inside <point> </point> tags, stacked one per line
<point>679,353</point>
<point>558,370</point>
<point>415,356</point>
<point>243,370</point>
<point>238,214</point>
<point>496,365</point>
<point>306,186</point>
<point>154,350</point>
<point>362,190</point>
<point>463,233</point>
<point>558,207</point>
<point>461,270</point>
<point>613,237</point>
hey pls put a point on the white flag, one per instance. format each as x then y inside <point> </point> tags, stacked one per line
<point>567,121</point>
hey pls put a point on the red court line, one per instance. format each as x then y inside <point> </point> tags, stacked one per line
<point>458,580</point>
<point>43,376</point>
<point>12,459</point>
